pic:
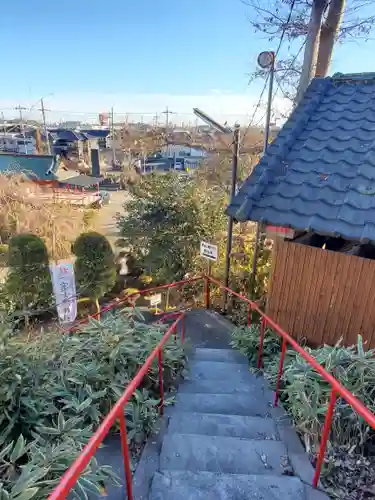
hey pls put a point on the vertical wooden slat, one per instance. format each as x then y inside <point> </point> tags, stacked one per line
<point>322,328</point>
<point>322,295</point>
<point>288,305</point>
<point>310,272</point>
<point>353,302</point>
<point>297,282</point>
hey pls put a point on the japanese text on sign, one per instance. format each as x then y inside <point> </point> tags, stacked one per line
<point>155,300</point>
<point>209,251</point>
<point>64,288</point>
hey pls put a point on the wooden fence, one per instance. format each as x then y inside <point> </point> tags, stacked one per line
<point>322,295</point>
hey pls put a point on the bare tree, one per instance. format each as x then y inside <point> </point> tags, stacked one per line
<point>351,22</point>
<point>328,35</point>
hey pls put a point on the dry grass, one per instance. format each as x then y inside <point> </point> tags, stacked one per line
<point>22,210</point>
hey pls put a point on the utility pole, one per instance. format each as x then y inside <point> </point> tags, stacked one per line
<point>167,112</point>
<point>43,110</point>
<point>113,138</point>
<point>328,35</point>
<point>20,109</point>
<point>236,153</point>
<point>312,46</point>
<point>3,120</point>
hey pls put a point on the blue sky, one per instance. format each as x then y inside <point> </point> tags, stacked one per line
<point>138,56</point>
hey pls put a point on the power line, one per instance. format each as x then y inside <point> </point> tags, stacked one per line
<point>268,74</point>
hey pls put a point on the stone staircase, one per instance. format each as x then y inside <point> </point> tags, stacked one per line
<point>222,439</point>
<point>225,441</point>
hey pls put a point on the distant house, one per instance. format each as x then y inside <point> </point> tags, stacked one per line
<point>70,141</point>
<point>182,151</point>
<point>40,168</point>
<point>97,137</point>
<point>17,143</point>
<point>318,179</point>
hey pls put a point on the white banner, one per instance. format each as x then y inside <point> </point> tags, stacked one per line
<point>64,288</point>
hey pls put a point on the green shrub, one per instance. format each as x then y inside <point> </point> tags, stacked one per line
<point>56,390</point>
<point>166,218</point>
<point>28,285</point>
<point>95,268</point>
<point>305,395</point>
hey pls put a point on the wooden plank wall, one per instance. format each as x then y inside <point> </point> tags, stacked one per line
<point>322,295</point>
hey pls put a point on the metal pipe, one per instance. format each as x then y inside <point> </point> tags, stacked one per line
<point>161,382</point>
<point>236,151</point>
<point>126,456</point>
<point>325,435</point>
<point>279,375</point>
<point>261,339</point>
<point>206,292</point>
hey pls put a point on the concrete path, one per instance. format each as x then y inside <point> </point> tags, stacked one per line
<point>222,439</point>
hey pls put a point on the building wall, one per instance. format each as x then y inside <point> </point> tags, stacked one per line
<point>322,295</point>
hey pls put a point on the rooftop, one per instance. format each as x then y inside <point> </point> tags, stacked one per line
<point>37,167</point>
<point>319,173</point>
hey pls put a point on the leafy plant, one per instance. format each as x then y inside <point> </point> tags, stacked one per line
<point>56,390</point>
<point>305,395</point>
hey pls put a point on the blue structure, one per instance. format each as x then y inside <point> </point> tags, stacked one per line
<point>319,173</point>
<point>36,167</point>
<point>95,133</point>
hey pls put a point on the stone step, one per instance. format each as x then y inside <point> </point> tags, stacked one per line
<point>178,485</point>
<point>228,455</point>
<point>215,370</point>
<point>220,355</point>
<point>213,386</point>
<point>252,404</point>
<point>223,425</point>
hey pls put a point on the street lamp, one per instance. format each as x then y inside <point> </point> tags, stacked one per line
<point>236,152</point>
<point>266,60</point>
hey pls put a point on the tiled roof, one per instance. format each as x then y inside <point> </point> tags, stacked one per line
<point>95,133</point>
<point>37,167</point>
<point>319,173</point>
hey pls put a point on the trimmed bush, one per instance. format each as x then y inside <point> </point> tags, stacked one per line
<point>28,286</point>
<point>95,267</point>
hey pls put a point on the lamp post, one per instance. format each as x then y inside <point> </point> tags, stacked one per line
<point>266,60</point>
<point>235,156</point>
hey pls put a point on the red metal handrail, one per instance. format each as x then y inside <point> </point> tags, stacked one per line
<point>337,388</point>
<point>71,476</point>
<point>73,473</point>
<point>124,300</point>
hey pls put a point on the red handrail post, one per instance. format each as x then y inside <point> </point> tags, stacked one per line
<point>206,292</point>
<point>249,309</point>
<point>183,329</point>
<point>325,435</point>
<point>261,338</point>
<point>161,382</point>
<point>279,375</point>
<point>126,456</point>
